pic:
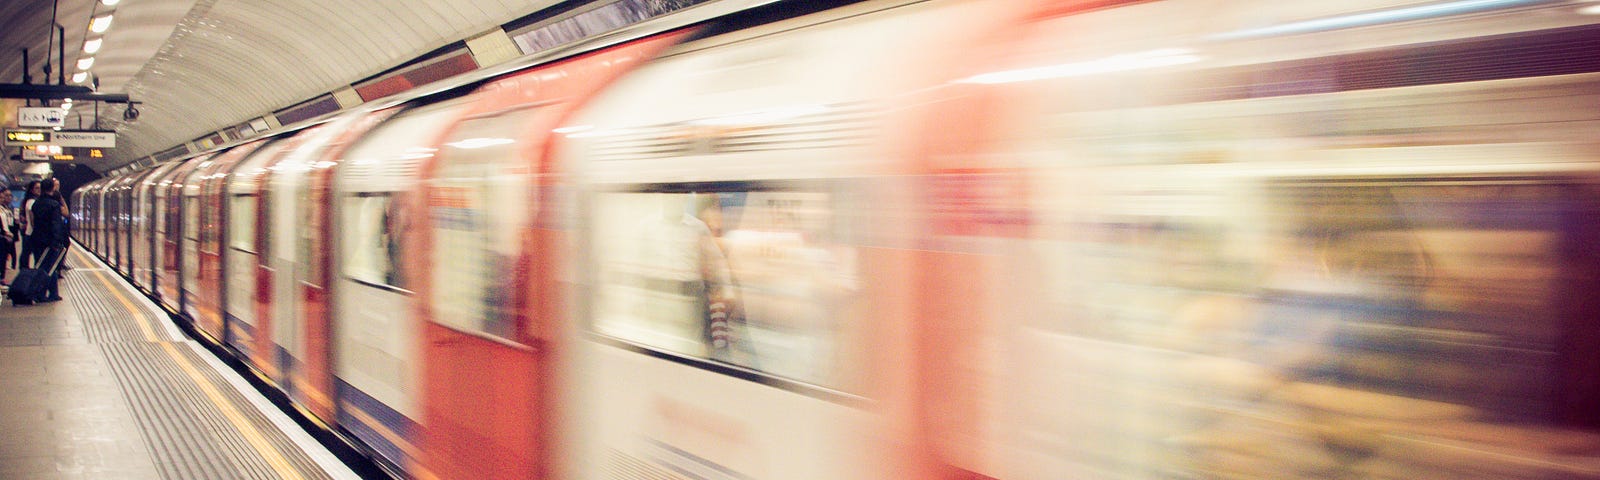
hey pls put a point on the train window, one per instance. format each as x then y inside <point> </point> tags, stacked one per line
<point>479,203</point>
<point>191,218</point>
<point>242,223</point>
<point>758,278</point>
<point>160,213</point>
<point>372,252</point>
<point>209,228</point>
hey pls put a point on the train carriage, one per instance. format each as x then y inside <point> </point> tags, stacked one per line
<point>207,289</point>
<point>244,238</point>
<point>83,213</point>
<point>169,233</point>
<point>121,218</point>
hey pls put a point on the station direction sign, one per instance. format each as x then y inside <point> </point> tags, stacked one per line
<point>84,138</point>
<point>25,137</point>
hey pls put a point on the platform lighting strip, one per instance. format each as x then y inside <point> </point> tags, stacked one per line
<point>98,25</point>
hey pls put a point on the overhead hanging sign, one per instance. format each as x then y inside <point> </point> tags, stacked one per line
<point>41,117</point>
<point>31,155</point>
<point>84,138</point>
<point>25,137</point>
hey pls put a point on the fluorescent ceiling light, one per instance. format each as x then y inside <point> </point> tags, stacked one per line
<point>80,77</point>
<point>110,3</point>
<point>100,24</point>
<point>85,63</point>
<point>93,46</point>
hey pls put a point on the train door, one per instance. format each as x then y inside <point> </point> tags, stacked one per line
<point>189,245</point>
<point>111,218</point>
<point>317,257</point>
<point>146,219</point>
<point>304,376</point>
<point>209,291</point>
<point>87,206</point>
<point>281,232</point>
<point>240,270</point>
<point>484,301</point>
<point>80,215</point>
<point>119,223</point>
<point>170,236</point>
<point>97,217</point>
<point>125,222</point>
<point>378,361</point>
<point>82,232</point>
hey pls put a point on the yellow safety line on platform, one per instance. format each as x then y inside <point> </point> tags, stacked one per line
<point>251,433</point>
<point>141,320</point>
<point>228,409</point>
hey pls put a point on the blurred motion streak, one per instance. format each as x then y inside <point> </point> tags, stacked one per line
<point>945,239</point>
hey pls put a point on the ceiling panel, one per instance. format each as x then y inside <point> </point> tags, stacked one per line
<point>199,66</point>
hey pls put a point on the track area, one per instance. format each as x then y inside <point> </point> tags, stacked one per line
<point>102,385</point>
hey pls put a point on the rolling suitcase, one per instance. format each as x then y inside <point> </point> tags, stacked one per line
<point>32,284</point>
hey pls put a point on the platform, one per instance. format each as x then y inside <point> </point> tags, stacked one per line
<point>103,385</point>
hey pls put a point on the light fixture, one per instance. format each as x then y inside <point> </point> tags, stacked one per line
<point>93,46</point>
<point>80,77</point>
<point>1592,9</point>
<point>100,24</point>
<point>110,3</point>
<point>85,63</point>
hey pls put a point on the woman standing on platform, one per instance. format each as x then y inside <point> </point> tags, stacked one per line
<point>30,247</point>
<point>8,233</point>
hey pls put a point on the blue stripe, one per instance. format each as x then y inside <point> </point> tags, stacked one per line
<point>282,358</point>
<point>388,417</point>
<point>236,339</point>
<point>241,324</point>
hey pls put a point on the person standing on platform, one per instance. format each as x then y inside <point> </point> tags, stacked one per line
<point>63,231</point>
<point>50,233</point>
<point>8,233</point>
<point>25,217</point>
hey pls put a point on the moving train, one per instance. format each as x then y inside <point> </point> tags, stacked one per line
<point>952,239</point>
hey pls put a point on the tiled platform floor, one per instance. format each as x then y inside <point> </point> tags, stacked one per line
<point>66,411</point>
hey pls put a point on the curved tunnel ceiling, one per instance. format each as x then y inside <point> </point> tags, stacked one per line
<point>200,66</point>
